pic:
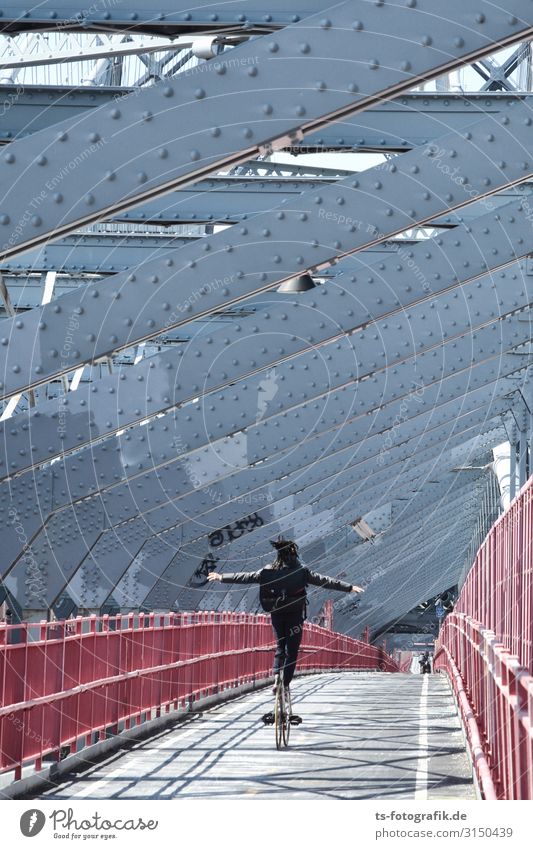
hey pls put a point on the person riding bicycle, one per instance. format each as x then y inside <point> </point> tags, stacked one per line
<point>425,663</point>
<point>282,593</point>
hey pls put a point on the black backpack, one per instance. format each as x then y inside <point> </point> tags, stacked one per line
<point>283,590</point>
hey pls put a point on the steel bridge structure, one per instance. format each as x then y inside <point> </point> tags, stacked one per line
<point>166,408</point>
<point>265,270</point>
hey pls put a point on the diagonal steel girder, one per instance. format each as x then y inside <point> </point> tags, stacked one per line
<point>375,287</point>
<point>433,570</point>
<point>380,568</point>
<point>216,491</point>
<point>95,253</point>
<point>131,307</point>
<point>308,520</point>
<point>164,546</point>
<point>311,375</point>
<point>260,445</point>
<point>230,204</point>
<point>181,18</point>
<point>413,119</point>
<point>91,590</point>
<point>160,158</point>
<point>386,570</point>
<point>366,565</point>
<point>75,479</point>
<point>285,501</point>
<point>319,466</point>
<point>90,526</point>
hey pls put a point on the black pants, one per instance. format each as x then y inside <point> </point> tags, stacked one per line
<point>288,629</point>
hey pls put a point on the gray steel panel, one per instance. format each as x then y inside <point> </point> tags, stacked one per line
<point>427,463</point>
<point>448,388</point>
<point>125,311</point>
<point>78,532</point>
<point>95,142</point>
<point>107,464</point>
<point>92,253</point>
<point>413,119</point>
<point>383,286</point>
<point>303,378</point>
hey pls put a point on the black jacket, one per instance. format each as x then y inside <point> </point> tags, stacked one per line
<point>305,577</point>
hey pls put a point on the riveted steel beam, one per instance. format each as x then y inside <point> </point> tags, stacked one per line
<point>191,556</point>
<point>104,183</point>
<point>242,200</point>
<point>136,454</point>
<point>375,286</point>
<point>308,523</point>
<point>408,121</point>
<point>81,475</point>
<point>331,547</point>
<point>239,203</point>
<point>308,512</point>
<point>106,253</point>
<point>408,557</point>
<point>178,18</point>
<point>141,15</point>
<point>341,555</point>
<point>406,407</point>
<point>131,309</point>
<point>65,548</point>
<point>95,253</point>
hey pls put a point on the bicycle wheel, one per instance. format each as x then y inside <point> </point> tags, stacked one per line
<point>278,715</point>
<point>286,716</point>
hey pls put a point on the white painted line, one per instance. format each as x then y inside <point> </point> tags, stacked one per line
<point>421,779</point>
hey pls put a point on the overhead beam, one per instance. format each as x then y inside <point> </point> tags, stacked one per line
<point>74,548</point>
<point>311,517</point>
<point>377,286</point>
<point>159,159</point>
<point>320,229</point>
<point>81,475</point>
<point>411,120</point>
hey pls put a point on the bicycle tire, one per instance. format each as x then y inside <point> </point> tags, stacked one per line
<point>286,718</point>
<point>278,715</point>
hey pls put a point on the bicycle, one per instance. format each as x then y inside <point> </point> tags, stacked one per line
<point>282,718</point>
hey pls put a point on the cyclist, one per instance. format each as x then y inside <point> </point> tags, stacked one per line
<point>282,594</point>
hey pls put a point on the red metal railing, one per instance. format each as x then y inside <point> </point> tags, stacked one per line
<point>63,683</point>
<point>495,696</point>
<point>485,646</point>
<point>498,591</point>
<point>404,659</point>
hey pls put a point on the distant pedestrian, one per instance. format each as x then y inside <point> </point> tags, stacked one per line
<point>425,663</point>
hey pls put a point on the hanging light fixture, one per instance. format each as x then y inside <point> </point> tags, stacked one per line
<point>294,285</point>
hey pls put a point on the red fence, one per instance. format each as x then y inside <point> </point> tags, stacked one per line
<point>498,591</point>
<point>404,659</point>
<point>62,683</point>
<point>485,646</point>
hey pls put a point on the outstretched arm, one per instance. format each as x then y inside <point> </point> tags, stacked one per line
<point>236,577</point>
<point>331,584</point>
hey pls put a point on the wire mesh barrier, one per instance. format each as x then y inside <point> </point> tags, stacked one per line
<point>485,648</point>
<point>67,684</point>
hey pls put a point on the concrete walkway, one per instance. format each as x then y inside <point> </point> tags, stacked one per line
<point>365,735</point>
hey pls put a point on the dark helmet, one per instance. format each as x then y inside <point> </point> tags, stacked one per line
<point>284,546</point>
